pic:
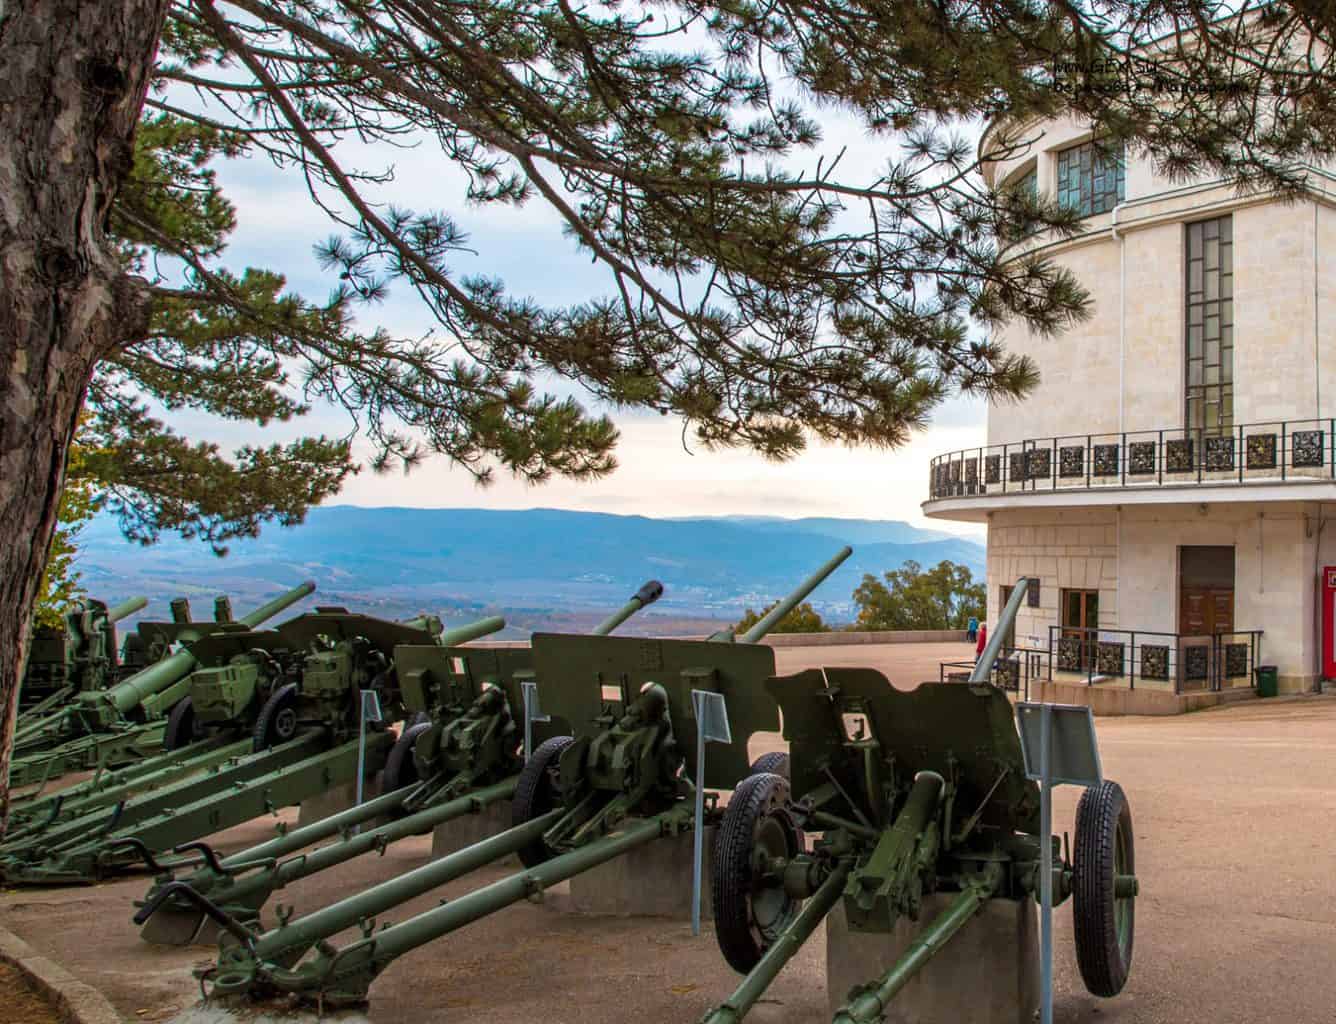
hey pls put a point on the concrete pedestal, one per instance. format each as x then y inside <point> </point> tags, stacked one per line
<point>473,828</point>
<point>653,880</point>
<point>337,798</point>
<point>987,974</point>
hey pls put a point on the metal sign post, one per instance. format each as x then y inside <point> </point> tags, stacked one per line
<point>711,712</point>
<point>532,713</point>
<point>1058,741</point>
<point>370,713</point>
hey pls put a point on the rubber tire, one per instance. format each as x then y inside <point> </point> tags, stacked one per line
<point>182,726</point>
<point>1101,814</point>
<point>756,798</point>
<point>400,766</point>
<point>536,793</point>
<point>266,732</point>
<point>774,763</point>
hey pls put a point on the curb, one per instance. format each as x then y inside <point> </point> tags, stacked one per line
<point>76,1002</point>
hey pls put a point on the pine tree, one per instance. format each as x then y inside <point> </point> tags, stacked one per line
<point>60,580</point>
<point>756,285</point>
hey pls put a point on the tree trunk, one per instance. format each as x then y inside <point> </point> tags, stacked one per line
<point>73,75</point>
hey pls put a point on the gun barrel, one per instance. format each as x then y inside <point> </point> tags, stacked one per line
<point>125,608</point>
<point>278,604</point>
<point>649,592</point>
<point>431,623</point>
<point>983,668</point>
<point>463,634</point>
<point>130,692</point>
<point>758,631</point>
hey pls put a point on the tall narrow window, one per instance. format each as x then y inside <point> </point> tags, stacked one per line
<point>1210,325</point>
<point>1090,179</point>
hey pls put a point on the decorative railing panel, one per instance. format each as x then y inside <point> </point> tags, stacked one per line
<point>1189,662</point>
<point>1111,657</point>
<point>1252,453</point>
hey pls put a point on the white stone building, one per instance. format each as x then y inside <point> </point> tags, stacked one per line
<point>1174,471</point>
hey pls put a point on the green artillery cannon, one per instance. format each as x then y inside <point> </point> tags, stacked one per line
<point>464,758</point>
<point>915,792</point>
<point>619,782</point>
<point>262,682</point>
<point>117,730</point>
<point>125,723</point>
<point>195,749</point>
<point>301,739</point>
<point>79,654</point>
<point>475,711</point>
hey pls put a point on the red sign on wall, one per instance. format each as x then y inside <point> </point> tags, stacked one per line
<point>1329,622</point>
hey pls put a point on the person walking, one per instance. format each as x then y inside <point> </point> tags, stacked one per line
<point>983,640</point>
<point>972,628</point>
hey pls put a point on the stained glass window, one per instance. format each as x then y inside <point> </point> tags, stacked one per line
<point>1089,179</point>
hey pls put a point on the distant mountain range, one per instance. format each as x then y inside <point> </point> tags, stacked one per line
<point>542,568</point>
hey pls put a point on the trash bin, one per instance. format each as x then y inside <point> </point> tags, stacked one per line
<point>1265,675</point>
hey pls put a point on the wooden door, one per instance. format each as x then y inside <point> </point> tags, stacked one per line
<point>1204,611</point>
<point>1080,619</point>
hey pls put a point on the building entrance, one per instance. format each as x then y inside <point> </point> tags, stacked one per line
<point>1205,590</point>
<point>1080,620</point>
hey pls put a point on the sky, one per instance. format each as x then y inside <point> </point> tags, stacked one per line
<point>661,473</point>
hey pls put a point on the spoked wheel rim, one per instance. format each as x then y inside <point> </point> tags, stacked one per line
<point>753,842</point>
<point>770,909</point>
<point>1122,905</point>
<point>1104,889</point>
<point>285,723</point>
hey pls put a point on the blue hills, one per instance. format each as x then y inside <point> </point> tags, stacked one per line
<point>543,568</point>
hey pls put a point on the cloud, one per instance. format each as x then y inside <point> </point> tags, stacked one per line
<point>659,477</point>
<point>278,226</point>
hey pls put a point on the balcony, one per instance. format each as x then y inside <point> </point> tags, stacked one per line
<point>1255,461</point>
<point>1171,664</point>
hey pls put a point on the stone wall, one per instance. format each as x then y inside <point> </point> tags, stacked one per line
<point>1072,548</point>
<point>831,639</point>
<point>1274,349</point>
<point>1078,382</point>
<point>870,636</point>
<point>1130,555</point>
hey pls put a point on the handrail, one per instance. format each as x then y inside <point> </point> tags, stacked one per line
<point>1265,452</point>
<point>1227,654</point>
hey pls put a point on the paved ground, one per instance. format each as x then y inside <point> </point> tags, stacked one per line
<point>1236,922</point>
<point>906,665</point>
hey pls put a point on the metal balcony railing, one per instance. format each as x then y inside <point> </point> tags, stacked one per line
<point>1187,662</point>
<point>1014,669</point>
<point>1287,450</point>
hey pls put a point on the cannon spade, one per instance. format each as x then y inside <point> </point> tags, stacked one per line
<point>620,780</point>
<point>914,793</point>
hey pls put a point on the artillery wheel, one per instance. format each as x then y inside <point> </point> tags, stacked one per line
<point>183,726</point>
<point>752,910</point>
<point>1103,919</point>
<point>537,792</point>
<point>774,763</point>
<point>278,719</point>
<point>400,766</point>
